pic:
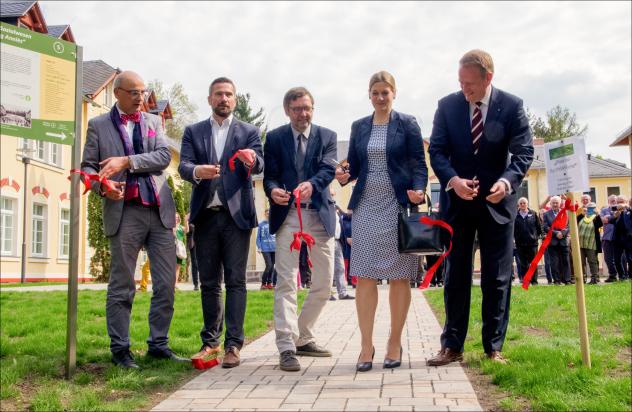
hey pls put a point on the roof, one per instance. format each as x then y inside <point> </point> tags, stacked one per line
<point>623,139</point>
<point>15,8</point>
<point>96,75</point>
<point>57,31</point>
<point>161,105</point>
<point>596,167</point>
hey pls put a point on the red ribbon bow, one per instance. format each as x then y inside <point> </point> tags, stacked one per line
<point>88,178</point>
<point>248,154</point>
<point>134,117</point>
<point>309,239</point>
<point>559,223</point>
<point>431,271</point>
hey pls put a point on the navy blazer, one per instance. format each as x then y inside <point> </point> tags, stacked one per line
<point>405,158</point>
<point>319,170</point>
<point>197,149</point>
<point>451,151</point>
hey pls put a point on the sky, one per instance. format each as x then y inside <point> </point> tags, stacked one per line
<point>574,54</point>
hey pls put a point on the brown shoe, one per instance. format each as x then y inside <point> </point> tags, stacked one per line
<point>445,356</point>
<point>231,358</point>
<point>206,351</point>
<point>495,356</point>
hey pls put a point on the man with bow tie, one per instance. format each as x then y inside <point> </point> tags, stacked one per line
<point>127,147</point>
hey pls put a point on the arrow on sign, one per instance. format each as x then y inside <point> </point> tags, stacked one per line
<point>61,135</point>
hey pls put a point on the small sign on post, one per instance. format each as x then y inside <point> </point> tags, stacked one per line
<point>567,172</point>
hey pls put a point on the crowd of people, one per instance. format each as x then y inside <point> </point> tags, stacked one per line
<point>606,230</point>
<point>480,149</point>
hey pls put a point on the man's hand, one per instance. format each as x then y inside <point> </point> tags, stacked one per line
<point>280,196</point>
<point>466,189</point>
<point>305,189</point>
<point>113,165</point>
<point>207,171</point>
<point>342,175</point>
<point>497,193</point>
<point>118,193</point>
<point>247,156</point>
<point>416,197</point>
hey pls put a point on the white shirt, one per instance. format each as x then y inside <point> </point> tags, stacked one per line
<point>219,134</point>
<point>129,126</point>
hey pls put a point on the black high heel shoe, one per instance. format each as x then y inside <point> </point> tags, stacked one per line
<point>365,366</point>
<point>394,363</point>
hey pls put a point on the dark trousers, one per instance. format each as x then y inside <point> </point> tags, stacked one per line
<point>222,245</point>
<point>438,276</point>
<point>495,241</point>
<point>620,260</point>
<point>269,274</point>
<point>607,246</point>
<point>560,265</point>
<point>141,226</point>
<point>195,275</point>
<point>525,254</point>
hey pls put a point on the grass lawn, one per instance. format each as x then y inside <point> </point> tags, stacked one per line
<point>33,341</point>
<point>542,345</point>
<point>27,284</point>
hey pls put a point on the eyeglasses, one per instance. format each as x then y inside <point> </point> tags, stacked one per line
<point>136,93</point>
<point>301,109</point>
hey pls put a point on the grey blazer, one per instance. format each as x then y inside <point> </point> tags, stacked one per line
<point>103,141</point>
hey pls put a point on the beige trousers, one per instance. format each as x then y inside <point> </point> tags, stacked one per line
<point>291,329</point>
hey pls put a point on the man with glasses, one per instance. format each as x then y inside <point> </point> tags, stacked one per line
<point>300,157</point>
<point>223,212</point>
<point>128,147</point>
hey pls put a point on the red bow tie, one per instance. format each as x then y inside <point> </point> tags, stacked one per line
<point>134,117</point>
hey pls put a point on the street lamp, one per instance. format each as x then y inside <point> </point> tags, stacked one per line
<point>24,151</point>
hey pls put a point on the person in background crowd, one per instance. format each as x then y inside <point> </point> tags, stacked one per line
<point>588,225</point>
<point>558,248</point>
<point>585,199</point>
<point>346,240</point>
<point>386,156</point>
<point>480,149</point>
<point>340,280</point>
<point>223,212</point>
<point>266,244</point>
<point>607,238</point>
<point>192,257</point>
<point>299,164</point>
<point>180,232</point>
<point>622,239</point>
<point>145,273</point>
<point>128,147</point>
<point>527,231</point>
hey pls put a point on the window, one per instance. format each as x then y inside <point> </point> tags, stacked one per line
<point>64,233</point>
<point>8,226</point>
<point>40,151</point>
<point>38,240</point>
<point>613,190</point>
<point>435,193</point>
<point>108,95</point>
<point>55,154</point>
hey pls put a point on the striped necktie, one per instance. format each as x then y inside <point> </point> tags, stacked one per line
<point>477,127</point>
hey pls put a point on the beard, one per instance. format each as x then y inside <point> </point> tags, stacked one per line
<point>222,111</point>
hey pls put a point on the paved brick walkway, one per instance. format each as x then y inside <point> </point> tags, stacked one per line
<point>332,384</point>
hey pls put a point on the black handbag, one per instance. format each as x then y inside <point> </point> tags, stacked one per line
<point>416,238</point>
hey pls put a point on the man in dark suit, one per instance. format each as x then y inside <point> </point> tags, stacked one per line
<point>558,248</point>
<point>300,156</point>
<point>128,147</point>
<point>481,149</point>
<point>223,211</point>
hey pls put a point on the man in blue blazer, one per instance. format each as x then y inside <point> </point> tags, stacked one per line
<point>223,211</point>
<point>300,156</point>
<point>480,149</point>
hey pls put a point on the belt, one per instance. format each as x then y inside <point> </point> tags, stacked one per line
<point>216,208</point>
<point>306,206</point>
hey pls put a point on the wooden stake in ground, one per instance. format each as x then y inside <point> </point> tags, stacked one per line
<point>579,283</point>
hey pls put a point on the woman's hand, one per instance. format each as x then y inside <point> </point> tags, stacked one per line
<point>342,175</point>
<point>416,197</point>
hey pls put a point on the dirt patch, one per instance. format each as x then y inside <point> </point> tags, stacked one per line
<point>489,395</point>
<point>530,330</point>
<point>624,358</point>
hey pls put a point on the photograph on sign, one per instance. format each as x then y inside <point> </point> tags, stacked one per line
<point>566,166</point>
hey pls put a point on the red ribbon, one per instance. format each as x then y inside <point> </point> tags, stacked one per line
<point>307,238</point>
<point>431,271</point>
<point>249,155</point>
<point>88,178</point>
<point>559,223</point>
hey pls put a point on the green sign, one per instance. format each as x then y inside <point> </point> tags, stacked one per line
<point>38,86</point>
<point>562,151</point>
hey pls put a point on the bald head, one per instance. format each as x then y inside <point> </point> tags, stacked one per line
<point>129,89</point>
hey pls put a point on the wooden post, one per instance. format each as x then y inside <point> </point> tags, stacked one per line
<point>579,285</point>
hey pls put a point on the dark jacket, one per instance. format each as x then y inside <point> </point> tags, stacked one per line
<point>345,234</point>
<point>623,228</point>
<point>528,229</point>
<point>547,221</point>
<point>405,158</point>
